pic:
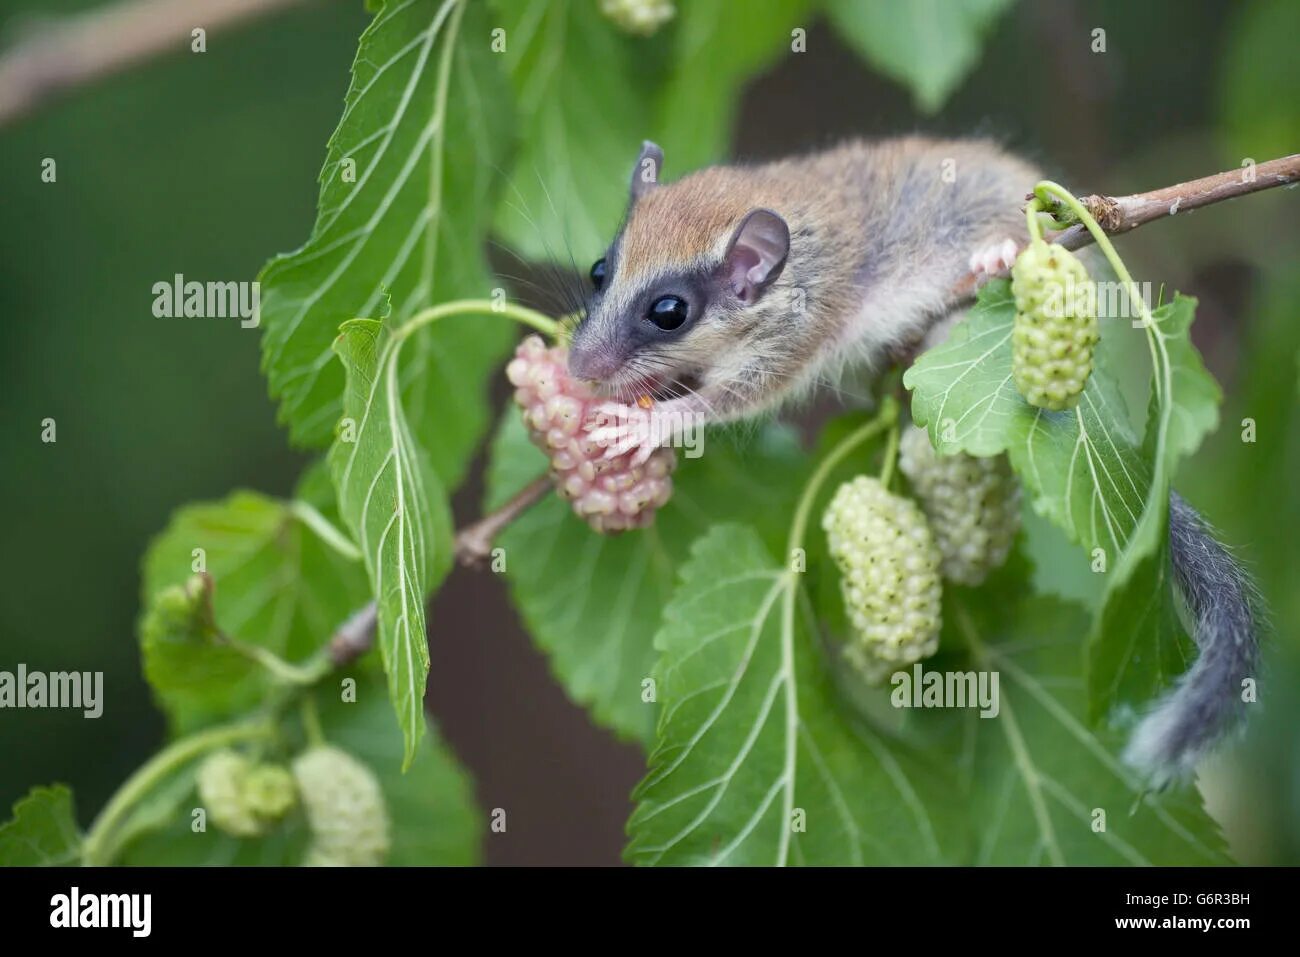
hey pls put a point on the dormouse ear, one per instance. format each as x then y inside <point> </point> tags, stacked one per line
<point>645,175</point>
<point>757,254</point>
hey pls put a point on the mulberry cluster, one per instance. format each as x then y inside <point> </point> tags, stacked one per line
<point>1055,328</point>
<point>345,808</point>
<point>244,799</point>
<point>609,494</point>
<point>890,577</point>
<point>972,503</point>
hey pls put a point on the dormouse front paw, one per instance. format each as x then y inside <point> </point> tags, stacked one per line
<point>623,428</point>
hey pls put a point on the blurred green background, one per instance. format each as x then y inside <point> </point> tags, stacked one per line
<point>205,164</point>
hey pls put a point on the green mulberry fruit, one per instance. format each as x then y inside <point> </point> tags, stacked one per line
<point>345,808</point>
<point>890,577</point>
<point>269,790</point>
<point>973,505</point>
<point>220,786</point>
<point>1056,326</point>
<point>244,799</point>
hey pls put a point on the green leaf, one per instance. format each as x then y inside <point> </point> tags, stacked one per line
<point>1139,646</point>
<point>1058,566</point>
<point>426,122</point>
<point>927,45</point>
<point>756,760</point>
<point>583,88</point>
<point>1194,405</point>
<point>196,676</point>
<point>1044,787</point>
<point>396,509</point>
<point>430,807</point>
<point>716,50</point>
<point>43,830</point>
<point>593,602</point>
<point>275,584</point>
<point>585,114</point>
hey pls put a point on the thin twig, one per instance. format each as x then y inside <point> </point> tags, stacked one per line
<point>474,542</point>
<point>67,52</point>
<point>356,636</point>
<point>1119,214</point>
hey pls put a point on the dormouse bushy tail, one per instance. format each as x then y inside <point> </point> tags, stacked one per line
<point>1225,613</point>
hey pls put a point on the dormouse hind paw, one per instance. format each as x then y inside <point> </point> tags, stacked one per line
<point>989,262</point>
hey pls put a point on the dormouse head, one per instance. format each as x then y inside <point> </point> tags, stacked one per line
<point>687,286</point>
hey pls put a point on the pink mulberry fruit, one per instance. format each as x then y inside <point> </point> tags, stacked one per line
<point>609,494</point>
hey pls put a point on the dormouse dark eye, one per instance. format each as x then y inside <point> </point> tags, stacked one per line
<point>668,312</point>
<point>598,274</point>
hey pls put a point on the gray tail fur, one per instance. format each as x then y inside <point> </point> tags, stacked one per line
<point>1207,701</point>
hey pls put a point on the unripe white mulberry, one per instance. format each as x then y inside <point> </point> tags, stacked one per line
<point>1055,328</point>
<point>610,495</point>
<point>972,503</point>
<point>220,787</point>
<point>345,809</point>
<point>890,577</point>
<point>242,798</point>
<point>641,17</point>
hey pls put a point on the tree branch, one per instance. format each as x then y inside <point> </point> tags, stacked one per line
<point>68,52</point>
<point>1119,214</point>
<point>474,542</point>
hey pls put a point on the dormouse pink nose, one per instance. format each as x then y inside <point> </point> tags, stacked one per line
<point>595,363</point>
